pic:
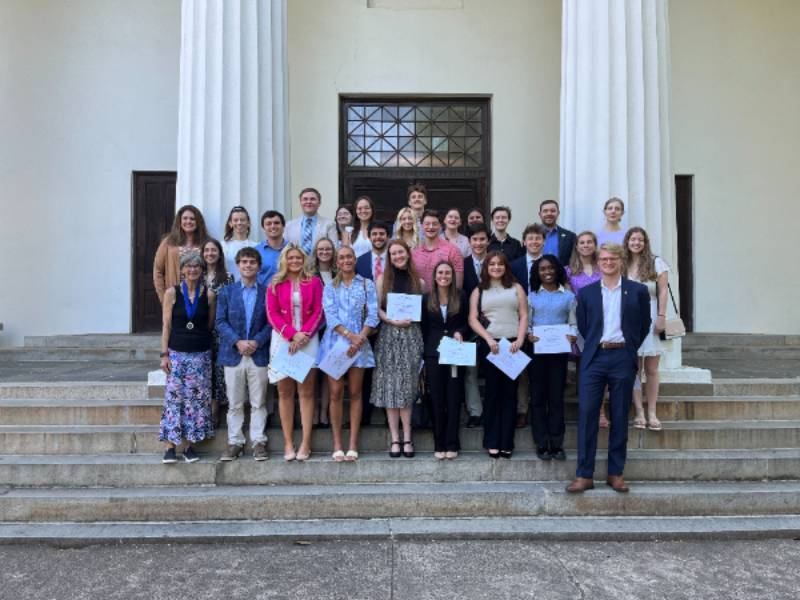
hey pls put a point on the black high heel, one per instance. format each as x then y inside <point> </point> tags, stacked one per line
<point>392,453</point>
<point>505,453</point>
<point>408,454</point>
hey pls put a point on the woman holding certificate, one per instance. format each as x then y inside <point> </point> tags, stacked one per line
<point>351,313</point>
<point>498,310</point>
<point>398,350</point>
<point>188,316</point>
<point>294,309</point>
<point>444,314</point>
<point>552,305</point>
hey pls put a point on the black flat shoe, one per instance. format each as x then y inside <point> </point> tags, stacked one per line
<point>494,454</point>
<point>408,454</point>
<point>392,453</point>
<point>543,453</point>
<point>558,454</point>
<point>505,453</point>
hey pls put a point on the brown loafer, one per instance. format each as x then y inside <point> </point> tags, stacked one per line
<point>580,484</point>
<point>617,483</point>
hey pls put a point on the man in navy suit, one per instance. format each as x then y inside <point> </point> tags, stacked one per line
<point>557,240</point>
<point>533,240</point>
<point>479,235</point>
<point>374,260</point>
<point>244,352</point>
<point>613,318</point>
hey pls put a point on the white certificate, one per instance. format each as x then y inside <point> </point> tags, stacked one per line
<point>453,352</point>
<point>295,365</point>
<point>336,362</point>
<point>402,307</point>
<point>552,339</point>
<point>510,363</point>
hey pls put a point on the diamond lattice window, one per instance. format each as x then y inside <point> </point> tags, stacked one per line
<point>415,135</point>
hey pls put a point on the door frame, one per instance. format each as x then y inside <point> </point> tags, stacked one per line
<point>684,218</point>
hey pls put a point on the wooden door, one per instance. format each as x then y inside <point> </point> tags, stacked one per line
<point>153,213</point>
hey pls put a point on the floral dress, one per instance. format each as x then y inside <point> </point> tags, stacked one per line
<point>352,306</point>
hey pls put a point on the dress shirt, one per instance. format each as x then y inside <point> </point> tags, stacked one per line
<point>383,263</point>
<point>478,264</point>
<point>249,299</point>
<point>551,242</point>
<point>269,261</point>
<point>531,260</point>
<point>612,312</point>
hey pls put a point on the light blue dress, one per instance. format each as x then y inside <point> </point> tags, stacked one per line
<point>345,305</point>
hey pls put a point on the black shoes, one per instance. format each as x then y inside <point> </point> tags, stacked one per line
<point>409,454</point>
<point>543,453</point>
<point>190,456</point>
<point>392,453</point>
<point>473,422</point>
<point>558,454</point>
<point>169,457</point>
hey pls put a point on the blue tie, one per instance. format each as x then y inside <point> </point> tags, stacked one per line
<point>307,235</point>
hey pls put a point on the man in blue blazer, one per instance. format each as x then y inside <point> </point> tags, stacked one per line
<point>244,352</point>
<point>557,240</point>
<point>613,318</point>
<point>366,264</point>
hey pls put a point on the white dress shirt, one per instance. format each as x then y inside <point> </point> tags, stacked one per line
<point>612,312</point>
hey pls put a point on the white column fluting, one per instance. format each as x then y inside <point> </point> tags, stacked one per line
<point>232,123</point>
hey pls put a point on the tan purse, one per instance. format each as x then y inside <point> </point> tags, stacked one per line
<point>674,327</point>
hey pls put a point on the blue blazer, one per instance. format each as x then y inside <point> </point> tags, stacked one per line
<point>364,265</point>
<point>566,242</point>
<point>231,323</point>
<point>519,268</point>
<point>635,307</point>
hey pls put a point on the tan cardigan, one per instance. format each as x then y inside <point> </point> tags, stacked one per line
<point>166,268</point>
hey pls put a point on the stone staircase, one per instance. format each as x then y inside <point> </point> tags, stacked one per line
<point>80,462</point>
<point>84,348</point>
<point>738,346</point>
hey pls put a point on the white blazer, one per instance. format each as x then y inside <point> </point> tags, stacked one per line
<point>324,228</point>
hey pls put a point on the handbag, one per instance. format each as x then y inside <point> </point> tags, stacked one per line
<point>674,327</point>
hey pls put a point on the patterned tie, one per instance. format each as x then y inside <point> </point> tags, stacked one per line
<point>377,270</point>
<point>307,235</point>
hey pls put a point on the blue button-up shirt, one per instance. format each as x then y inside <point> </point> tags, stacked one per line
<point>269,261</point>
<point>249,299</point>
<point>551,242</point>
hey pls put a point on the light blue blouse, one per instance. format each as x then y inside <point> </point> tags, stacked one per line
<point>345,305</point>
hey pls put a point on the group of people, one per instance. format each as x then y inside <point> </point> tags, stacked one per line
<point>230,307</point>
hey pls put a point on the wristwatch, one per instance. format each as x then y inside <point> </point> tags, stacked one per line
<point>163,354</point>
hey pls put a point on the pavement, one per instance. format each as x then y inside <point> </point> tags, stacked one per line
<point>399,570</point>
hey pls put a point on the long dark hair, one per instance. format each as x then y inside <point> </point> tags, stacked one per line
<point>561,274</point>
<point>176,236</point>
<point>220,271</point>
<point>453,295</point>
<point>229,228</point>
<point>388,273</point>
<point>647,261</point>
<point>506,281</point>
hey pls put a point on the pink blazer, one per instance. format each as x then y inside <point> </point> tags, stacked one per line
<point>279,307</point>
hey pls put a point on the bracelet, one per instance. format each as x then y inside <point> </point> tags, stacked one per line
<point>163,354</point>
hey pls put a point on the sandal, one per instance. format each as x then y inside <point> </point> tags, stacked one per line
<point>302,457</point>
<point>290,455</point>
<point>439,455</point>
<point>338,456</point>
<point>654,424</point>
<point>392,453</point>
<point>351,456</point>
<point>408,454</point>
<point>640,423</point>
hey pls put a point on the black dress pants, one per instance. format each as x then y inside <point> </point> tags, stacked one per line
<point>499,405</point>
<point>446,394</point>
<point>547,376</point>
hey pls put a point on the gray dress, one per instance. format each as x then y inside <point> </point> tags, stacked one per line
<point>398,353</point>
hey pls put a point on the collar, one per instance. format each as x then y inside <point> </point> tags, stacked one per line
<point>423,246</point>
<point>476,259</point>
<point>532,258</point>
<point>554,229</point>
<point>266,245</point>
<point>248,287</point>
<point>376,255</point>
<point>612,289</point>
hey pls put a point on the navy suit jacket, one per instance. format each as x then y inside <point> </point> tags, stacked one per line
<point>519,268</point>
<point>566,242</point>
<point>231,323</point>
<point>635,308</point>
<point>471,277</point>
<point>364,265</point>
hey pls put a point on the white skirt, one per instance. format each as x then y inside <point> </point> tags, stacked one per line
<point>275,344</point>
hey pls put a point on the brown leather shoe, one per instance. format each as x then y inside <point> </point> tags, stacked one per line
<point>617,483</point>
<point>580,484</point>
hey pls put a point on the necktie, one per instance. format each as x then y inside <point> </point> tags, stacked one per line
<point>377,270</point>
<point>307,235</point>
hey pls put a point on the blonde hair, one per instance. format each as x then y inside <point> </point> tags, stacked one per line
<point>400,233</point>
<point>647,262</point>
<point>337,278</point>
<point>611,248</point>
<point>312,262</point>
<point>283,266</point>
<point>575,264</point>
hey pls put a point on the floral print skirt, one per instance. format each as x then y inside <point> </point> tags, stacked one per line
<point>187,399</point>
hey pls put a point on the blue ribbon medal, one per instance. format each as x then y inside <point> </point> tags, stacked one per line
<point>191,307</point>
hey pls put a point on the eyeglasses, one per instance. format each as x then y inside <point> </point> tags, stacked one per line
<point>609,259</point>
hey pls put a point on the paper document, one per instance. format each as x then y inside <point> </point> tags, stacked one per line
<point>401,307</point>
<point>552,339</point>
<point>453,352</point>
<point>295,366</point>
<point>510,363</point>
<point>336,362</point>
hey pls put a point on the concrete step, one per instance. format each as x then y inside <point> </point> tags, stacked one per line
<point>145,470</point>
<point>150,341</point>
<point>97,439</point>
<point>70,390</point>
<point>619,529</point>
<point>757,387</point>
<point>739,353</point>
<point>63,412</point>
<point>64,354</point>
<point>741,340</point>
<point>361,501</point>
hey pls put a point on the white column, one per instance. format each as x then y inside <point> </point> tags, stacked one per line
<point>232,123</point>
<point>615,92</point>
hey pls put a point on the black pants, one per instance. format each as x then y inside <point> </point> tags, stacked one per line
<point>446,393</point>
<point>499,405</point>
<point>547,376</point>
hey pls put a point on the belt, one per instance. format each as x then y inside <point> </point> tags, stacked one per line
<point>611,345</point>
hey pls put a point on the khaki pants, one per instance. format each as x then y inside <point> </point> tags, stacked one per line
<point>246,381</point>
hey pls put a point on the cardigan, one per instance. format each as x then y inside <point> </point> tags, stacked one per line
<point>167,267</point>
<point>279,307</point>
